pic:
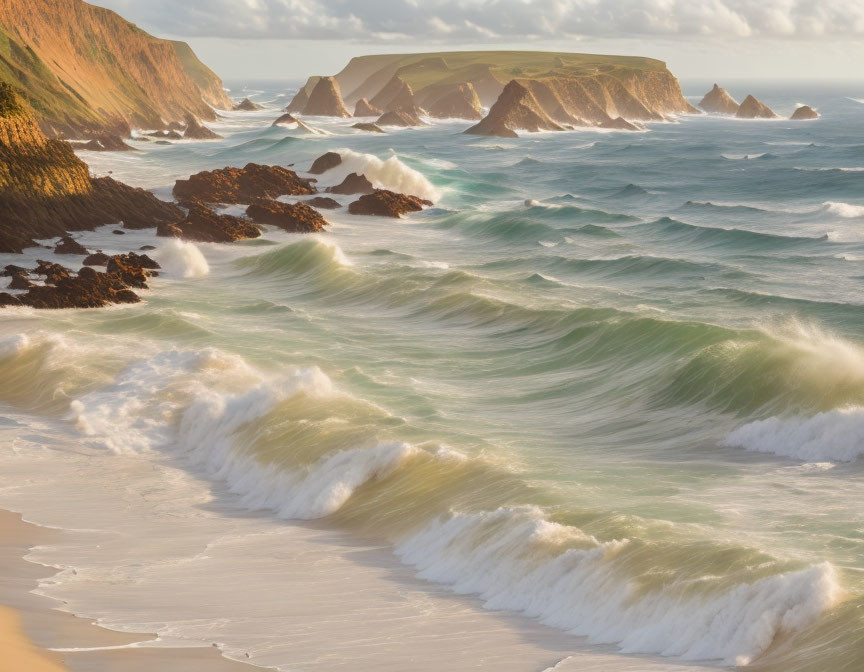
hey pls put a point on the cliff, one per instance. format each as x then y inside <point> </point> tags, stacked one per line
<point>566,89</point>
<point>718,101</point>
<point>85,70</point>
<point>752,108</point>
<point>45,190</point>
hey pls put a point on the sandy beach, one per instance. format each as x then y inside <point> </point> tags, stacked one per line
<point>35,636</point>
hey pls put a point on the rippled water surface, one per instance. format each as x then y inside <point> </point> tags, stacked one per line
<point>611,381</point>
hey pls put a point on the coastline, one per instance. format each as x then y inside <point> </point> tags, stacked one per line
<point>35,635</point>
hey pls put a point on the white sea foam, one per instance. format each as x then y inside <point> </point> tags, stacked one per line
<point>845,210</point>
<point>182,259</point>
<point>514,559</point>
<point>833,436</point>
<point>391,174</point>
<point>13,346</point>
<point>742,157</point>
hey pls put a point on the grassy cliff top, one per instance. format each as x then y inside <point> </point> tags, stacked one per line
<point>421,70</point>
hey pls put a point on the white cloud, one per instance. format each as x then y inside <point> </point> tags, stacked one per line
<point>465,20</point>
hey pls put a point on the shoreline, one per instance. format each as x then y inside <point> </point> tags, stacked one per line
<point>37,637</point>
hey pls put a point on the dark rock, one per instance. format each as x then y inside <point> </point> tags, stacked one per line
<point>353,184</point>
<point>323,203</point>
<point>11,270</point>
<point>118,232</point>
<point>20,281</point>
<point>104,143</point>
<point>53,273</point>
<point>205,226</point>
<point>146,248</point>
<point>364,108</point>
<point>324,163</point>
<point>89,289</point>
<point>291,217</point>
<point>7,299</point>
<point>131,269</point>
<point>196,131</point>
<point>247,106</point>
<point>369,128</point>
<point>69,245</point>
<point>384,203</point>
<point>97,259</point>
<point>242,185</point>
<point>804,113</point>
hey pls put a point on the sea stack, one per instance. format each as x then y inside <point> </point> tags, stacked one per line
<point>326,100</point>
<point>517,108</point>
<point>364,108</point>
<point>752,108</point>
<point>460,101</point>
<point>804,113</point>
<point>195,130</point>
<point>718,101</point>
<point>247,106</point>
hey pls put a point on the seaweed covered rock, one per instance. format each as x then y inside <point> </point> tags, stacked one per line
<point>242,185</point>
<point>384,203</point>
<point>291,217</point>
<point>353,184</point>
<point>202,225</point>
<point>98,258</point>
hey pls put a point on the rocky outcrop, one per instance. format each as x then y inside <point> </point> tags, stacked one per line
<point>364,108</point>
<point>242,185</point>
<point>353,184</point>
<point>752,108</point>
<point>288,120</point>
<point>325,162</point>
<point>167,135</point>
<point>290,217</point>
<point>718,101</point>
<point>98,258</point>
<point>516,108</point>
<point>451,101</point>
<point>202,225</point>
<point>804,113</point>
<point>399,118</point>
<point>326,100</point>
<point>369,128</point>
<point>301,99</point>
<point>104,143</point>
<point>68,245</point>
<point>247,105</point>
<point>47,191</point>
<point>323,203</point>
<point>195,130</point>
<point>87,71</point>
<point>87,289</point>
<point>383,203</point>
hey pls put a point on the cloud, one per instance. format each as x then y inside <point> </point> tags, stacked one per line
<point>488,20</point>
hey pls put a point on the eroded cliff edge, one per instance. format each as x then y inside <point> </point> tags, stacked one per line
<point>85,70</point>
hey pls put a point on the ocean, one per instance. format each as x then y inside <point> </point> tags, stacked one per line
<point>601,407</point>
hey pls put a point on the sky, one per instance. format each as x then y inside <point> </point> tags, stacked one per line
<point>698,39</point>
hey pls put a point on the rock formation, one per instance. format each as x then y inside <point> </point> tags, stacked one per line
<point>291,217</point>
<point>369,128</point>
<point>69,245</point>
<point>196,131</point>
<point>570,90</point>
<point>247,105</point>
<point>202,225</point>
<point>364,108</point>
<point>804,113</point>
<point>46,191</point>
<point>87,289</point>
<point>288,120</point>
<point>718,101</point>
<point>516,108</point>
<point>104,143</point>
<point>301,99</point>
<point>326,100</point>
<point>87,71</point>
<point>752,108</point>
<point>98,258</point>
<point>353,184</point>
<point>324,203</point>
<point>242,185</point>
<point>383,203</point>
<point>399,118</point>
<point>325,162</point>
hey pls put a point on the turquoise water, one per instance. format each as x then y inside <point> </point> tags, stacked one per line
<point>610,381</point>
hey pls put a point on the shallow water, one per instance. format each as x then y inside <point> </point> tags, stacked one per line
<point>612,382</point>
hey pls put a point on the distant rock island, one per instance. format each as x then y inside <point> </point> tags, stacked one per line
<point>526,91</point>
<point>86,71</point>
<point>719,101</point>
